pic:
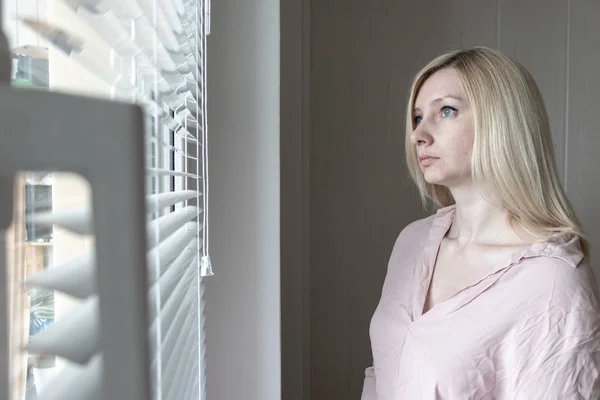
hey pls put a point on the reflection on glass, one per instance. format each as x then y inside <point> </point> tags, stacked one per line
<point>39,246</point>
<point>37,257</point>
<point>33,243</point>
<point>30,67</point>
<point>38,200</point>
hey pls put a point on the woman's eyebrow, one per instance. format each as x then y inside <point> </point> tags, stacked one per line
<point>440,99</point>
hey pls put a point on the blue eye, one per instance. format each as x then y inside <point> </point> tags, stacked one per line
<point>418,120</point>
<point>447,111</point>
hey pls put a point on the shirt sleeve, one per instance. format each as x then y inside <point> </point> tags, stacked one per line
<point>369,392</point>
<point>564,363</point>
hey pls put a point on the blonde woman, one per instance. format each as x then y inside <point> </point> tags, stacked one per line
<point>493,296</point>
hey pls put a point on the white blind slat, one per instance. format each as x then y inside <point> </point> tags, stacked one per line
<point>74,337</point>
<point>165,33</point>
<point>159,201</point>
<point>182,374</point>
<point>194,388</point>
<point>77,221</point>
<point>76,382</point>
<point>175,336</point>
<point>178,380</point>
<point>75,277</point>
<point>171,15</point>
<point>186,340</point>
<point>169,248</point>
<point>166,172</point>
<point>172,315</point>
<point>178,4</point>
<point>169,370</point>
<point>174,305</point>
<point>161,228</point>
<point>173,275</point>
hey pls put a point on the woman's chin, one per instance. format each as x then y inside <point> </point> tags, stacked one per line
<point>446,179</point>
<point>434,179</point>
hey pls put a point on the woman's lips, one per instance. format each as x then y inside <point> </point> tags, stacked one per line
<point>427,160</point>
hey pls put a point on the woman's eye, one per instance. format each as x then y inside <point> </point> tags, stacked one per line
<point>448,111</point>
<point>418,119</point>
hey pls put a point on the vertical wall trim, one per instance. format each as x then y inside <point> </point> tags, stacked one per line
<point>306,178</point>
<point>498,24</point>
<point>567,90</point>
<point>295,197</point>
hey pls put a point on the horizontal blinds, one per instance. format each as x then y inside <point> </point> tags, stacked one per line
<point>150,52</point>
<point>80,221</point>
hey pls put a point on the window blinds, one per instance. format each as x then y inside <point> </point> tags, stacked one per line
<point>151,53</point>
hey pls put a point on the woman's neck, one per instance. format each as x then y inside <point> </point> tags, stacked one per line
<point>476,221</point>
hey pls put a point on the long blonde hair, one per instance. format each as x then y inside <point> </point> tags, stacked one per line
<point>513,157</point>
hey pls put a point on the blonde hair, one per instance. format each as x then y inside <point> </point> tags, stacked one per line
<point>513,157</point>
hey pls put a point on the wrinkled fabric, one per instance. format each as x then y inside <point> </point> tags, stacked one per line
<point>528,330</point>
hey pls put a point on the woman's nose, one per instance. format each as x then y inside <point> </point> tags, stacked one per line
<point>420,135</point>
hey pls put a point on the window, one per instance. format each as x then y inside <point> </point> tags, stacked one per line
<point>144,52</point>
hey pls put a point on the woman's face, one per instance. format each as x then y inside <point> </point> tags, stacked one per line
<point>444,130</point>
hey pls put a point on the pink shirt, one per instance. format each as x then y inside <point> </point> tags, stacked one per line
<point>529,330</point>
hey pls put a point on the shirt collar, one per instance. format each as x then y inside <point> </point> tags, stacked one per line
<point>564,246</point>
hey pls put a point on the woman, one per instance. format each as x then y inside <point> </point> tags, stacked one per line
<point>493,296</point>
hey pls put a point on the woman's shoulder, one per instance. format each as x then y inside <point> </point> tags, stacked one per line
<point>559,272</point>
<point>420,230</point>
<point>403,260</point>
<point>413,237</point>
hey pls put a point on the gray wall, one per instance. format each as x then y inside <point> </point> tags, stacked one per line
<point>363,54</point>
<point>242,299</point>
<point>582,136</point>
<point>295,199</point>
